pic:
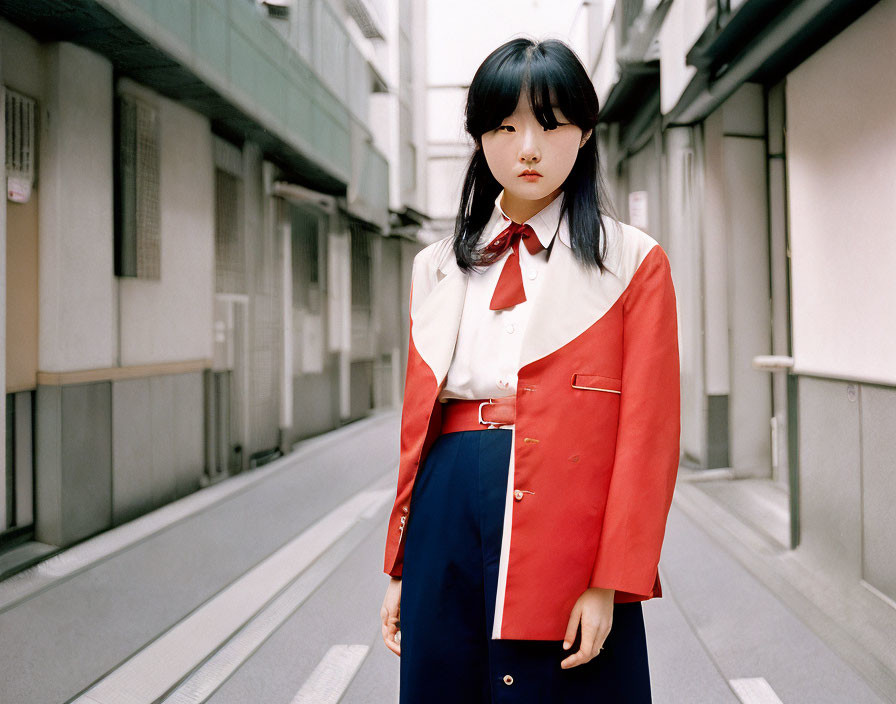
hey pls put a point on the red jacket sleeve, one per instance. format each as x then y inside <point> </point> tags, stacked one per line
<point>647,439</point>
<point>417,433</point>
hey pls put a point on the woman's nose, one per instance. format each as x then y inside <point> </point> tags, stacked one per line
<point>529,148</point>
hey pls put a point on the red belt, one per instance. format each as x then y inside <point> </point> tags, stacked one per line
<point>477,413</point>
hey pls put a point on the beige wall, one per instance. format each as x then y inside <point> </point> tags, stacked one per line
<point>841,170</point>
<point>22,60</point>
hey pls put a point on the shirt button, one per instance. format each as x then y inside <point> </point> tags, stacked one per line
<point>532,273</point>
<point>518,495</point>
<point>502,384</point>
<point>508,679</point>
<point>509,327</point>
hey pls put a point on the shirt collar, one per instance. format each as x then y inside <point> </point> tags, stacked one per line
<point>544,222</point>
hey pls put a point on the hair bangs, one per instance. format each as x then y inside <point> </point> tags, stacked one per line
<point>497,94</point>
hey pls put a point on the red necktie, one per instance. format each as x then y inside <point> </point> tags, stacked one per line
<point>509,290</point>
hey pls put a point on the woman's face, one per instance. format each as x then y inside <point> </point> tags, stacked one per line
<point>521,144</point>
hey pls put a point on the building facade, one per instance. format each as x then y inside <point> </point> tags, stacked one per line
<point>754,140</point>
<point>212,209</point>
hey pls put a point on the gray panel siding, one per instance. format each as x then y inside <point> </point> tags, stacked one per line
<point>164,452</point>
<point>158,442</point>
<point>830,486</point>
<point>717,431</point>
<point>878,416</point>
<point>86,460</point>
<point>188,432</point>
<point>109,452</point>
<point>132,450</point>
<point>48,475</point>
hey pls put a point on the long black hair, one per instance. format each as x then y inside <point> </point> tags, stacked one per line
<point>552,74</point>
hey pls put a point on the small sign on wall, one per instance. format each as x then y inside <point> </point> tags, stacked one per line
<point>637,209</point>
<point>18,189</point>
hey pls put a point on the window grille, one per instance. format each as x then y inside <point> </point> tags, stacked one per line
<point>138,239</point>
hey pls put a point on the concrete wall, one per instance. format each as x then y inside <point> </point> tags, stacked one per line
<point>171,319</point>
<point>840,164</point>
<point>77,316</point>
<point>111,448</point>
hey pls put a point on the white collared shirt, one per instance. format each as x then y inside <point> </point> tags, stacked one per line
<point>489,342</point>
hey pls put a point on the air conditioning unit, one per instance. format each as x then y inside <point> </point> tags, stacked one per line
<point>21,133</point>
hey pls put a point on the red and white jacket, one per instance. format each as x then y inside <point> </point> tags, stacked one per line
<point>596,436</point>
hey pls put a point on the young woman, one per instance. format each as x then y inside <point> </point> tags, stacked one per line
<point>520,556</point>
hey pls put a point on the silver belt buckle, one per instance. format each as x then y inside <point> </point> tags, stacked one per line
<point>490,423</point>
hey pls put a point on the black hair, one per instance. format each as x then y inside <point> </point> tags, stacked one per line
<point>552,74</point>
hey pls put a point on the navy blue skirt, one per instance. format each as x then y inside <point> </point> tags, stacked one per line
<point>449,584</point>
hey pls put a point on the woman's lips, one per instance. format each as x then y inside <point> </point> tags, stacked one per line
<point>530,177</point>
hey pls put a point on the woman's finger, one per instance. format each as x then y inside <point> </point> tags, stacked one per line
<point>572,626</point>
<point>591,635</point>
<point>577,658</point>
<point>391,625</point>
<point>389,632</point>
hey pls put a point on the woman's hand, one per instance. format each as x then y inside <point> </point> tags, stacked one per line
<point>390,614</point>
<point>595,611</point>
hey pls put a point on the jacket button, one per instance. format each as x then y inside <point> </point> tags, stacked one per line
<point>518,495</point>
<point>508,679</point>
<point>404,508</point>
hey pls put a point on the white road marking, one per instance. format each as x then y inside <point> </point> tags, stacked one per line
<point>332,676</point>
<point>754,690</point>
<point>213,673</point>
<point>153,671</point>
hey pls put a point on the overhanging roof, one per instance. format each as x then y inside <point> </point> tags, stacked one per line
<point>86,23</point>
<point>760,42</point>
<point>637,82</point>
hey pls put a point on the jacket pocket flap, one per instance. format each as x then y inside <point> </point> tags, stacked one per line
<point>596,382</point>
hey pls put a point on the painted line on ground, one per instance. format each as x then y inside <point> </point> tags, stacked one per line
<point>213,673</point>
<point>332,676</point>
<point>754,690</point>
<point>153,671</point>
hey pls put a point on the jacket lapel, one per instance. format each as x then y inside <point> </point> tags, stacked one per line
<point>436,321</point>
<point>571,299</point>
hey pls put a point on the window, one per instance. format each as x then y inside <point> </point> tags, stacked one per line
<point>306,288</point>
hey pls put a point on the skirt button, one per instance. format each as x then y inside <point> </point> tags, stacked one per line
<point>508,679</point>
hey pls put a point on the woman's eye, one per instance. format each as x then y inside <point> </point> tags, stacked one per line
<point>547,129</point>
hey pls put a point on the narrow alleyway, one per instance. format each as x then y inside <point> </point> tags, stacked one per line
<point>267,588</point>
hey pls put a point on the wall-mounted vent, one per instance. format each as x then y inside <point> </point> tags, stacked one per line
<point>21,134</point>
<point>278,9</point>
